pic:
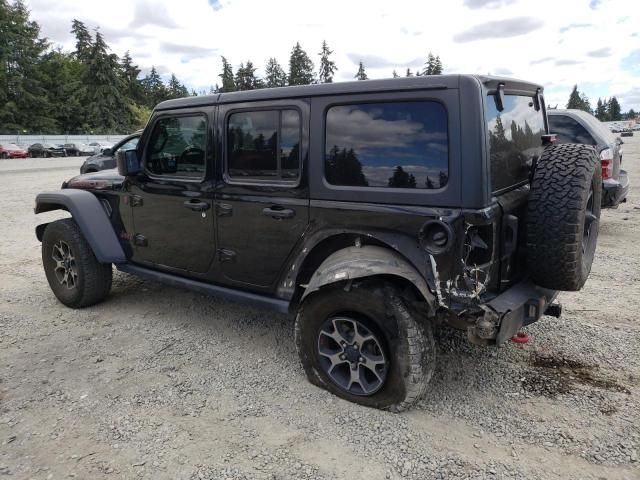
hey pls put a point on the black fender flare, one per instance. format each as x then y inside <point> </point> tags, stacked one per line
<point>89,214</point>
<point>366,261</point>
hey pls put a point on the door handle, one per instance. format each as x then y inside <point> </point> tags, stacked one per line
<point>196,205</point>
<point>278,212</point>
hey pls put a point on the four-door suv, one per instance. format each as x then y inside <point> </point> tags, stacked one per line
<point>373,211</point>
<point>576,126</point>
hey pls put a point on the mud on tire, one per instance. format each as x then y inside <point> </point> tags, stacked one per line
<point>74,274</point>
<point>407,341</point>
<point>563,216</point>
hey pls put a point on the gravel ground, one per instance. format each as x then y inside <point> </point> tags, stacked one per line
<point>162,383</point>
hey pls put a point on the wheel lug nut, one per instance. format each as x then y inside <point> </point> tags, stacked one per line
<point>361,359</point>
<point>342,357</point>
<point>355,345</point>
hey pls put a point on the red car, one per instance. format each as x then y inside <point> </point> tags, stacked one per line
<point>10,150</point>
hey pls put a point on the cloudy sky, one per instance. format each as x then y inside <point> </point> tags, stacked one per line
<point>594,43</point>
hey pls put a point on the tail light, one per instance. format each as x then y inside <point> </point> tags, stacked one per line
<point>606,160</point>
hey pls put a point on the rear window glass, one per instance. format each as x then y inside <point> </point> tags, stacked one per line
<point>392,145</point>
<point>569,130</point>
<point>514,139</point>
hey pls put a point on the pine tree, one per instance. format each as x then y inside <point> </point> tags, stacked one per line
<point>228,82</point>
<point>84,41</point>
<point>409,74</point>
<point>175,89</point>
<point>578,100</point>
<point>614,110</point>
<point>361,75</point>
<point>395,74</point>
<point>23,99</point>
<point>107,108</point>
<point>601,111</point>
<point>631,114</point>
<point>153,88</point>
<point>437,66</point>
<point>245,77</point>
<point>63,82</point>
<point>129,73</point>
<point>327,67</point>
<point>429,65</point>
<point>300,67</point>
<point>275,76</point>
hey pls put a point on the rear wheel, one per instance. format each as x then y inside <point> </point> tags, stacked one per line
<point>74,274</point>
<point>4,155</point>
<point>563,216</point>
<point>364,345</point>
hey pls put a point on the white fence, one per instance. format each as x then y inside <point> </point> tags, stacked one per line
<point>29,139</point>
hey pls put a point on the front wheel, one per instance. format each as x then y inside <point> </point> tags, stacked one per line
<point>365,345</point>
<point>74,274</point>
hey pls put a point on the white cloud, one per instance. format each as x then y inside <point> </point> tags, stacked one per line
<point>188,37</point>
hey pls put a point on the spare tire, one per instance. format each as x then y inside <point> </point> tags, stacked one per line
<point>563,216</point>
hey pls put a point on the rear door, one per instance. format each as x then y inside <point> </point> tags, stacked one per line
<point>262,198</point>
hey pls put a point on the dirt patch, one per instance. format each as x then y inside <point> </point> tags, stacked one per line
<point>556,375</point>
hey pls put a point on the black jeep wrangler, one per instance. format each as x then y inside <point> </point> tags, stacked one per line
<point>372,210</point>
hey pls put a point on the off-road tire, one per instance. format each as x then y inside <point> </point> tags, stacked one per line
<point>93,277</point>
<point>410,345</point>
<point>565,176</point>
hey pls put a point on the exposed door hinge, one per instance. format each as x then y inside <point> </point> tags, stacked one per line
<point>224,209</point>
<point>226,255</point>
<point>140,240</point>
<point>135,200</point>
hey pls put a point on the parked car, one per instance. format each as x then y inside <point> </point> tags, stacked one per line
<point>576,126</point>
<point>627,132</point>
<point>46,150</point>
<point>11,150</point>
<point>372,211</point>
<point>106,159</point>
<point>78,149</point>
<point>99,147</point>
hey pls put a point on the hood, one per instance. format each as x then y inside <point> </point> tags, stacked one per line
<point>104,180</point>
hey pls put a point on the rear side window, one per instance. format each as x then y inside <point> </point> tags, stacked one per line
<point>392,145</point>
<point>264,145</point>
<point>514,139</point>
<point>569,130</point>
<point>177,147</point>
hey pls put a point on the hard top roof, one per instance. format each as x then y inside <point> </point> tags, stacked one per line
<point>367,86</point>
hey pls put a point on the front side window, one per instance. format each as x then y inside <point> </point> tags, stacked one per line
<point>515,139</point>
<point>387,145</point>
<point>263,145</point>
<point>177,147</point>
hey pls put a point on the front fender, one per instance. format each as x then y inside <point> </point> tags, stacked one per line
<point>88,213</point>
<point>359,262</point>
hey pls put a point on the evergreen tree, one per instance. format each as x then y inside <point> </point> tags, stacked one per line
<point>578,100</point>
<point>437,66</point>
<point>614,110</point>
<point>153,88</point>
<point>275,76</point>
<point>23,99</point>
<point>84,42</point>
<point>228,82</point>
<point>175,89</point>
<point>361,75</point>
<point>63,82</point>
<point>129,73</point>
<point>401,179</point>
<point>107,108</point>
<point>429,65</point>
<point>409,74</point>
<point>631,114</point>
<point>327,67</point>
<point>246,78</point>
<point>395,74</point>
<point>300,67</point>
<point>601,111</point>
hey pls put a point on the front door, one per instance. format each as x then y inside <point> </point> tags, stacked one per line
<point>262,203</point>
<point>172,201</point>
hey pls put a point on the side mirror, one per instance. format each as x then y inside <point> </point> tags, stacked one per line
<point>128,162</point>
<point>107,152</point>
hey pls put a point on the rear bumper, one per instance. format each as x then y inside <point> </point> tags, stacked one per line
<point>615,191</point>
<point>521,305</point>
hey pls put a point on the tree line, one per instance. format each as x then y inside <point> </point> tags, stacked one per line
<point>92,90</point>
<point>606,110</point>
